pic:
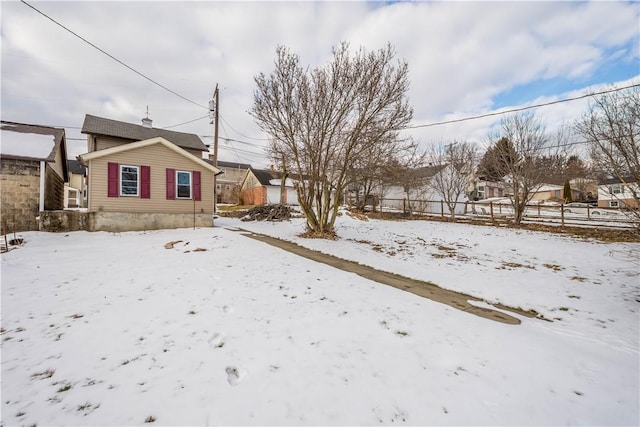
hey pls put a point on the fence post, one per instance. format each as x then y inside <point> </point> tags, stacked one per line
<point>491,210</point>
<point>562,214</point>
<point>441,208</point>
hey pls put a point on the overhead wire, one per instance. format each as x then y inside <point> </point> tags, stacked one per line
<point>463,119</point>
<point>240,133</point>
<point>515,110</point>
<point>187,122</point>
<point>113,57</point>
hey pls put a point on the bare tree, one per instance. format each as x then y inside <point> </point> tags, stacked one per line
<point>406,169</point>
<point>324,119</point>
<point>612,127</point>
<point>453,181</point>
<point>520,139</point>
<point>368,173</point>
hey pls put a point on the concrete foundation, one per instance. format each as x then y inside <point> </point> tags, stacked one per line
<point>64,221</point>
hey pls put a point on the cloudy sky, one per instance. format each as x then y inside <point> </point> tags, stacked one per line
<point>465,59</point>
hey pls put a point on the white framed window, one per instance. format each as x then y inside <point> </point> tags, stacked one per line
<point>227,187</point>
<point>481,192</point>
<point>617,189</point>
<point>183,185</point>
<point>129,180</point>
<point>614,204</point>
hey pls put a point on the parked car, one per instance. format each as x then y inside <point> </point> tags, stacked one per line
<point>583,208</point>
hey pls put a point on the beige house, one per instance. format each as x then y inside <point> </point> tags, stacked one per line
<point>75,190</point>
<point>142,178</point>
<point>33,170</point>
<point>484,189</point>
<point>553,193</point>
<point>150,184</point>
<point>229,181</point>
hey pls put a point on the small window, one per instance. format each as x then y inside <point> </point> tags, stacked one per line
<point>129,180</point>
<point>183,184</point>
<point>617,189</point>
<point>613,204</point>
<point>227,187</point>
<point>218,187</point>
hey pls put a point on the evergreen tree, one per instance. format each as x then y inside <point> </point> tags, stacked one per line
<point>566,192</point>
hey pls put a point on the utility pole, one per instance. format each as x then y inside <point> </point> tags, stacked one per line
<point>215,104</point>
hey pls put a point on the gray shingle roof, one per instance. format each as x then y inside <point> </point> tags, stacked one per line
<point>615,180</point>
<point>57,133</point>
<point>107,127</point>
<point>233,165</point>
<point>76,167</point>
<point>265,175</point>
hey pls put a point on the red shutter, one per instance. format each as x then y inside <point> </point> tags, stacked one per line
<point>145,182</point>
<point>196,185</point>
<point>113,171</point>
<point>171,184</point>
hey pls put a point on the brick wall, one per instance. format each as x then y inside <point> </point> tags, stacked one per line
<point>20,195</point>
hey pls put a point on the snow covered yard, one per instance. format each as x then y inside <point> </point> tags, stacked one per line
<point>220,329</point>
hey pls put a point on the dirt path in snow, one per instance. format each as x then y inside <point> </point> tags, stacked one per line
<point>429,290</point>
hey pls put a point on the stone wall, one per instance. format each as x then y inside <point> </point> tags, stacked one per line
<point>19,194</point>
<point>64,221</point>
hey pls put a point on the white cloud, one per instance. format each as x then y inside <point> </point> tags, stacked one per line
<point>461,55</point>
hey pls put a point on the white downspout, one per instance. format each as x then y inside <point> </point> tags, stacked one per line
<point>42,173</point>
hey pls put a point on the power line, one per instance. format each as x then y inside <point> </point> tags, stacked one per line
<point>184,123</point>
<point>241,134</point>
<point>113,57</point>
<point>512,110</point>
<point>515,110</point>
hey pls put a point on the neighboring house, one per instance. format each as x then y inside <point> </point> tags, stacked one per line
<point>486,189</point>
<point>228,183</point>
<point>588,189</point>
<point>552,192</point>
<point>263,186</point>
<point>142,178</point>
<point>422,196</point>
<point>392,193</point>
<point>617,193</point>
<point>75,191</point>
<point>33,170</point>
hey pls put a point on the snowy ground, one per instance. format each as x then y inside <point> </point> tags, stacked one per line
<point>114,329</point>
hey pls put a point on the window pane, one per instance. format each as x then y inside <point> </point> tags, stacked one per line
<point>129,181</point>
<point>184,178</point>
<point>184,191</point>
<point>183,184</point>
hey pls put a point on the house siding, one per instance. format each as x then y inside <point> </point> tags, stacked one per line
<point>54,190</point>
<point>104,142</point>
<point>231,178</point>
<point>158,157</point>
<point>624,199</point>
<point>254,196</point>
<point>20,195</point>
